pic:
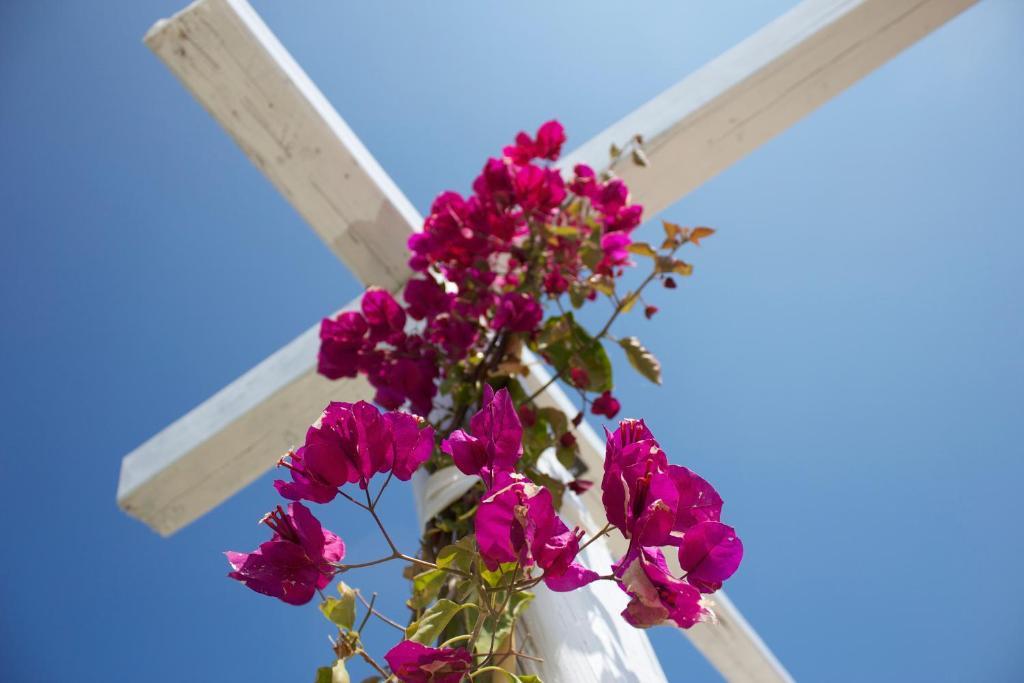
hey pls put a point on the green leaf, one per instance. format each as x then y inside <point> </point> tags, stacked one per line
<point>500,627</point>
<point>554,417</point>
<point>577,295</point>
<point>564,343</point>
<point>667,264</point>
<point>530,678</point>
<point>642,249</point>
<point>629,301</point>
<point>341,611</point>
<point>427,628</point>
<point>641,359</point>
<point>323,675</point>
<point>595,361</point>
<point>564,230</point>
<point>425,587</point>
<point>493,578</point>
<point>458,555</point>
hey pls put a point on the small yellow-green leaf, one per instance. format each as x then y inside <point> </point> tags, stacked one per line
<point>341,611</point>
<point>323,675</point>
<point>496,629</point>
<point>564,230</point>
<point>425,587</point>
<point>639,158</point>
<point>427,628</point>
<point>629,301</point>
<point>614,152</point>
<point>603,284</point>
<point>641,359</point>
<point>642,249</point>
<point>458,555</point>
<point>697,234</point>
<point>682,268</point>
<point>672,230</point>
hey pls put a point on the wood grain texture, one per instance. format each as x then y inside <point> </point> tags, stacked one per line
<point>225,55</point>
<point>748,95</point>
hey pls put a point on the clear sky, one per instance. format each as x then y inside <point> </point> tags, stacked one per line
<point>845,365</point>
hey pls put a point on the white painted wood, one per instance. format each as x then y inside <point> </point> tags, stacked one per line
<point>234,65</point>
<point>231,439</point>
<point>735,103</point>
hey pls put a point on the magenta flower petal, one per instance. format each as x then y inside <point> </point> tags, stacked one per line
<point>575,576</point>
<point>497,424</point>
<point>384,315</point>
<point>411,446</point>
<point>499,530</point>
<point>412,662</point>
<point>698,500</point>
<point>425,298</point>
<point>295,562</point>
<point>710,553</point>
<point>517,312</point>
<point>657,596</point>
<point>468,453</point>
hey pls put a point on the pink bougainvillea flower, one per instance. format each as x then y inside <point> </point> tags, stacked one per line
<point>606,405</point>
<point>293,564</point>
<point>710,553</point>
<point>539,190</point>
<point>495,441</point>
<point>615,246</point>
<point>349,444</point>
<point>383,314</point>
<point>517,522</point>
<point>650,501</point>
<point>612,197</point>
<point>546,145</point>
<point>426,298</point>
<point>625,220</point>
<point>584,184</point>
<point>340,342</point>
<point>412,662</point>
<point>657,596</point>
<point>517,312</point>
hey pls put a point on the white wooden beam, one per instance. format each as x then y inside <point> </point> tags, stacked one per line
<point>230,439</point>
<point>737,102</point>
<point>233,64</point>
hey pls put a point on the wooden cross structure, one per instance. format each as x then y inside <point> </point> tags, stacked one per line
<point>232,63</point>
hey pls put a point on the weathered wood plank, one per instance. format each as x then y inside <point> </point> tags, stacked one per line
<point>740,100</point>
<point>229,440</point>
<point>233,64</point>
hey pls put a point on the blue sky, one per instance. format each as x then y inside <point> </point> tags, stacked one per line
<point>845,364</point>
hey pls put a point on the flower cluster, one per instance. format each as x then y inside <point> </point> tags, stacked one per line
<point>480,261</point>
<point>295,563</point>
<point>654,505</point>
<point>516,521</point>
<point>348,445</point>
<point>487,266</point>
